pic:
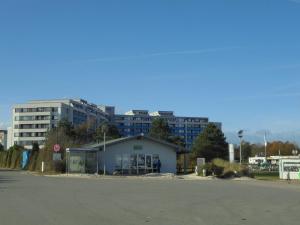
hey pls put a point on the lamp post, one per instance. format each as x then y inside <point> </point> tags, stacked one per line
<point>240,135</point>
<point>104,130</point>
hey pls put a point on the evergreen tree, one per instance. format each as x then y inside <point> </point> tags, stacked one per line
<point>35,147</point>
<point>177,140</point>
<point>160,129</point>
<point>210,144</point>
<point>111,132</point>
<point>67,127</point>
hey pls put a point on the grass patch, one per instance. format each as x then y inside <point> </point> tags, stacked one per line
<point>224,169</point>
<point>266,175</point>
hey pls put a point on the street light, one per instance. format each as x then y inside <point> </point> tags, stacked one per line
<point>240,135</point>
<point>104,129</point>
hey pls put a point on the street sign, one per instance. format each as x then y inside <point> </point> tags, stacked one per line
<point>56,148</point>
<point>200,162</point>
<point>56,156</point>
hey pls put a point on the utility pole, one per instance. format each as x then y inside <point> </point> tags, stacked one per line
<point>186,140</point>
<point>104,130</point>
<point>186,130</point>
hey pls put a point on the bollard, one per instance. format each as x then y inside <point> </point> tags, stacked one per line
<point>43,167</point>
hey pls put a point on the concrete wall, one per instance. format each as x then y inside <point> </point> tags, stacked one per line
<point>289,169</point>
<point>167,155</point>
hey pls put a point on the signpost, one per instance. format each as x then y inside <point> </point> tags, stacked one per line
<point>56,154</point>
<point>56,148</point>
<point>200,164</point>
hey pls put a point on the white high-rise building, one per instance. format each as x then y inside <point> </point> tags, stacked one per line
<point>32,120</point>
<point>9,137</point>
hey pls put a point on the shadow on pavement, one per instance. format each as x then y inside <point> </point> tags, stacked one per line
<point>5,178</point>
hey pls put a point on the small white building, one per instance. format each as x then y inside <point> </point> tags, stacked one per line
<point>289,168</point>
<point>129,155</point>
<point>256,160</point>
<point>274,159</point>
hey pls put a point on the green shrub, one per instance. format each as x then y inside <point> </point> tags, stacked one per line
<point>32,160</point>
<point>50,166</point>
<point>224,169</point>
<point>3,158</point>
<point>208,170</point>
<point>15,159</point>
<point>11,158</point>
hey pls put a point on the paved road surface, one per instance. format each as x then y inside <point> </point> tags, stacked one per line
<point>36,200</point>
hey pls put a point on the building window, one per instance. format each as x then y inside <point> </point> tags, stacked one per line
<point>18,110</point>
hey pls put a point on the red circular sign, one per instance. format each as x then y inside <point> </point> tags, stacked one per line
<point>56,148</point>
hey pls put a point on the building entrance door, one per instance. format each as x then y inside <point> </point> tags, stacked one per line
<point>140,163</point>
<point>149,164</point>
<point>133,164</point>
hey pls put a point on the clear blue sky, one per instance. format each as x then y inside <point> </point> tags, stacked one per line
<point>235,61</point>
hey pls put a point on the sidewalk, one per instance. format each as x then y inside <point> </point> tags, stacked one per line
<point>161,176</point>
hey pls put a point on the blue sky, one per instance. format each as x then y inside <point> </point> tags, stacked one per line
<point>235,61</point>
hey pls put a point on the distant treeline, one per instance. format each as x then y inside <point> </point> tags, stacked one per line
<point>273,148</point>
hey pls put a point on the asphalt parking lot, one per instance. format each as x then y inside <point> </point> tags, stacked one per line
<point>34,200</point>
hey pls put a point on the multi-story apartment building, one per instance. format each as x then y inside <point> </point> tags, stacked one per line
<point>139,121</point>
<point>109,110</point>
<point>3,138</point>
<point>32,120</point>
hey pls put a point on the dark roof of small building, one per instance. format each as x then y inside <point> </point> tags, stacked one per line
<point>179,149</point>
